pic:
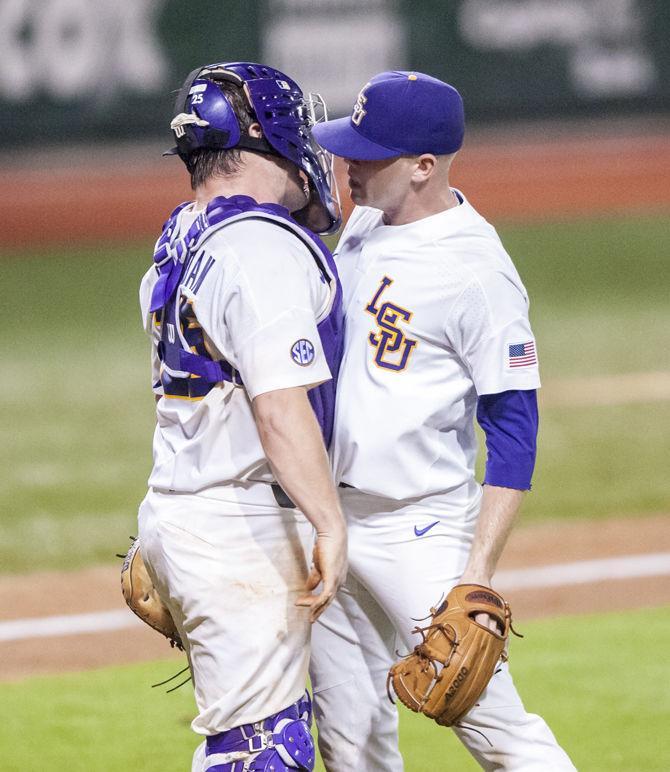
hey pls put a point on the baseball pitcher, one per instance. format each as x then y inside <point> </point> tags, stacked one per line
<point>437,332</point>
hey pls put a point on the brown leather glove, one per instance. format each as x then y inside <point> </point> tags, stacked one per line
<point>142,597</point>
<point>447,672</point>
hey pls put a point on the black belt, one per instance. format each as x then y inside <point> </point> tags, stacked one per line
<point>281,497</point>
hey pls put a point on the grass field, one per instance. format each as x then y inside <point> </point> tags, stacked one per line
<point>77,414</point>
<point>608,706</point>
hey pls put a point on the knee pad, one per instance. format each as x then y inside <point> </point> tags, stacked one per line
<point>292,749</point>
<point>280,743</point>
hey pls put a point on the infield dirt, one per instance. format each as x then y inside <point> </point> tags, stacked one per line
<point>125,194</point>
<point>98,589</point>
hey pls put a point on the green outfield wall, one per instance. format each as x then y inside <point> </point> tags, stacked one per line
<point>73,70</point>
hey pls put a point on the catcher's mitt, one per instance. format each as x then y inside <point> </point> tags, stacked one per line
<point>447,672</point>
<point>142,597</point>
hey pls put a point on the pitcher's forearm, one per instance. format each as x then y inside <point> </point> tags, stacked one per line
<point>496,519</point>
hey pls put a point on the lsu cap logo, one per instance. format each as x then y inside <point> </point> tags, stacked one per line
<point>359,112</point>
<point>302,352</point>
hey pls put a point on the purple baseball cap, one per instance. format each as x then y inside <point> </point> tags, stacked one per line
<point>397,113</point>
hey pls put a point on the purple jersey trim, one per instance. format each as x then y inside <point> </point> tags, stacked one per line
<point>509,420</point>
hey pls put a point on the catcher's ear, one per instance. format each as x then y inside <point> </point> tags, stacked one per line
<point>255,130</point>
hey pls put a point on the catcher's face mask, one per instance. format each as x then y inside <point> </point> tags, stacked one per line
<point>204,118</point>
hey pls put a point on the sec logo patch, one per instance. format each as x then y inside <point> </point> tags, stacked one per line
<point>302,352</point>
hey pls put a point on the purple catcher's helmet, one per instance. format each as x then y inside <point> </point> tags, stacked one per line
<point>204,118</point>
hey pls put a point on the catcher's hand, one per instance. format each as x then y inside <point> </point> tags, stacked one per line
<point>142,597</point>
<point>447,672</point>
<point>329,570</point>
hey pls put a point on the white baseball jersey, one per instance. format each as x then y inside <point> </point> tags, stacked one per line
<point>436,315</point>
<point>260,293</point>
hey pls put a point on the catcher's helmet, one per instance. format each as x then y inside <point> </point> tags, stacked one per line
<point>204,118</point>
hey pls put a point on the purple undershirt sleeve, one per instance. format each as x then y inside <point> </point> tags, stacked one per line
<point>509,420</point>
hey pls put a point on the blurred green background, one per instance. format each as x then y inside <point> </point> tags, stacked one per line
<point>80,71</point>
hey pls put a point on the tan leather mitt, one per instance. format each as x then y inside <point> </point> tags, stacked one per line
<point>142,597</point>
<point>447,672</point>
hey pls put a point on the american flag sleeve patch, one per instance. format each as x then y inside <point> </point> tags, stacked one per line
<point>521,354</point>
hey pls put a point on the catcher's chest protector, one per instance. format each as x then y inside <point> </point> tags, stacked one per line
<point>176,257</point>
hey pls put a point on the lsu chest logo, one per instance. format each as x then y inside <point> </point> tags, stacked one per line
<point>393,348</point>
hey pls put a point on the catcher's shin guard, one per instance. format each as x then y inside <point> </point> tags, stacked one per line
<point>280,743</point>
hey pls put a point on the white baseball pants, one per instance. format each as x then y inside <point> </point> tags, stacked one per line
<point>230,574</point>
<point>394,579</point>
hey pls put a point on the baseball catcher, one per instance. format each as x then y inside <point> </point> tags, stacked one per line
<point>447,672</point>
<point>243,308</point>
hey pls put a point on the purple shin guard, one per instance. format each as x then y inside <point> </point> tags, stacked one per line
<point>293,748</point>
<point>282,743</point>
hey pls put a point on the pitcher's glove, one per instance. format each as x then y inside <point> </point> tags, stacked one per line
<point>142,597</point>
<point>447,672</point>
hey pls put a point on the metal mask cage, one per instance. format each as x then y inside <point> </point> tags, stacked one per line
<point>317,112</point>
